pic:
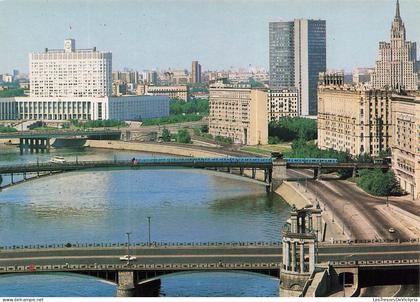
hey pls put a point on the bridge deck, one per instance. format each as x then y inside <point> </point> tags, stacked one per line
<point>255,257</point>
<point>60,133</point>
<point>188,162</point>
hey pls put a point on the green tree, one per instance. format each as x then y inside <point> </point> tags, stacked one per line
<point>378,183</point>
<point>11,92</point>
<point>288,129</point>
<point>204,128</point>
<point>183,136</point>
<point>166,135</point>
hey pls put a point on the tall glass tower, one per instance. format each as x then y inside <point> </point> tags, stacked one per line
<point>297,56</point>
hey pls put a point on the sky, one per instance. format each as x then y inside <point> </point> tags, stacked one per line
<point>151,34</point>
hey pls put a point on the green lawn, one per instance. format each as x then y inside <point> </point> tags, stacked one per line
<point>266,150</point>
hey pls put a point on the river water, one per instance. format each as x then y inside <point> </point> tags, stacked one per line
<point>101,206</point>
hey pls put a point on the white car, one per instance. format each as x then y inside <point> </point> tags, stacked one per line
<point>58,160</point>
<point>391,230</point>
<point>127,258</point>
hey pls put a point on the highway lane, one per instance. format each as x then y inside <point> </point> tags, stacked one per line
<point>208,259</point>
<point>335,194</point>
<point>203,250</point>
<point>214,255</point>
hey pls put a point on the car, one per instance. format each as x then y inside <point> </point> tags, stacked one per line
<point>58,160</point>
<point>127,258</point>
<point>391,230</point>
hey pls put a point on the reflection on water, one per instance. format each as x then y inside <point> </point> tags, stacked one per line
<point>100,206</point>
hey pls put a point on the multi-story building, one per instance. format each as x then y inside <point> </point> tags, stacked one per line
<point>353,119</point>
<point>174,92</point>
<point>125,77</point>
<point>362,75</point>
<point>7,78</point>
<point>406,142</point>
<point>195,72</point>
<point>238,112</point>
<point>77,84</point>
<point>282,102</point>
<point>297,51</point>
<point>92,108</point>
<point>70,72</point>
<point>8,109</point>
<point>397,65</point>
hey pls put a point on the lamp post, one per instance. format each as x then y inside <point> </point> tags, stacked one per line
<point>148,218</point>
<point>128,247</point>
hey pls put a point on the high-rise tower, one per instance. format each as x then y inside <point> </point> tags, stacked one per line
<point>396,67</point>
<point>297,56</point>
<point>195,72</point>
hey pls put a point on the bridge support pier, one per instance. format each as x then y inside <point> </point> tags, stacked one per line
<point>277,173</point>
<point>354,173</point>
<point>254,172</point>
<point>33,144</point>
<point>298,238</point>
<point>126,284</point>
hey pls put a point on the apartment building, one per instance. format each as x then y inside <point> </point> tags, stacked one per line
<point>282,103</point>
<point>174,92</point>
<point>406,142</point>
<point>354,119</point>
<point>238,112</point>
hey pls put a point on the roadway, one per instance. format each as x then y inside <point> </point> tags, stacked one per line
<point>355,208</point>
<point>202,254</point>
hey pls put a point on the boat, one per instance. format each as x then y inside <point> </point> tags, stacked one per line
<point>58,160</point>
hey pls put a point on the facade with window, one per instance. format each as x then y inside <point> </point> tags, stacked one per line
<point>8,109</point>
<point>406,142</point>
<point>238,112</point>
<point>70,72</point>
<point>354,119</point>
<point>282,103</point>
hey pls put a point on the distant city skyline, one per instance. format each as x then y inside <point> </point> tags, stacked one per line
<point>219,34</point>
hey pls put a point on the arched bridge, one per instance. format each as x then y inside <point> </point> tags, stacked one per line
<point>40,140</point>
<point>150,262</point>
<point>274,169</point>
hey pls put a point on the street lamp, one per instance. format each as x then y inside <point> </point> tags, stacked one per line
<point>148,218</point>
<point>128,247</point>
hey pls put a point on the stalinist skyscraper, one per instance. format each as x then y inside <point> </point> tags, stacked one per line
<point>397,64</point>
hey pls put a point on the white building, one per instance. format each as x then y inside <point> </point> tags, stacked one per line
<point>8,109</point>
<point>70,72</point>
<point>77,84</point>
<point>92,108</point>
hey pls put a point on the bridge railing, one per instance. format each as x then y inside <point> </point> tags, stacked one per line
<point>371,241</point>
<point>376,262</point>
<point>144,161</point>
<point>198,244</point>
<point>134,266</point>
<point>142,244</point>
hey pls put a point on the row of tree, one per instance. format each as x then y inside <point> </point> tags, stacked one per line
<point>192,107</point>
<point>288,129</point>
<point>183,136</point>
<point>375,182</point>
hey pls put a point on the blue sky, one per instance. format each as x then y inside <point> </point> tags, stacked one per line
<point>149,34</point>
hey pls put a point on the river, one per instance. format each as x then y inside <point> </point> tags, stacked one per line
<point>101,206</point>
